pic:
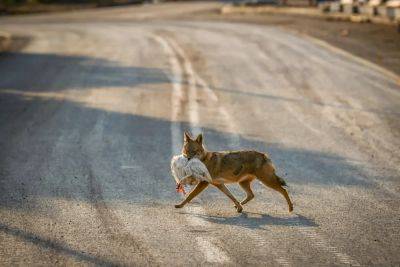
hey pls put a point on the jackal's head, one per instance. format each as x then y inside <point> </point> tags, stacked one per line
<point>193,148</point>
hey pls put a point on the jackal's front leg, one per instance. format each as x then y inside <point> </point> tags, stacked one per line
<point>197,190</point>
<point>226,191</point>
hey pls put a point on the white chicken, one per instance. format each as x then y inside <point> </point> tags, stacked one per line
<point>188,172</point>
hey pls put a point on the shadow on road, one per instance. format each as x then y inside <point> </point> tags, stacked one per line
<point>307,101</point>
<point>58,247</point>
<point>34,72</point>
<point>252,220</point>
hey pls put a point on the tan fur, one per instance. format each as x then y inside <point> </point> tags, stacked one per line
<point>233,167</point>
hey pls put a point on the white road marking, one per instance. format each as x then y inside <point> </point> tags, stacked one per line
<point>176,96</point>
<point>211,253</point>
<point>322,244</point>
<point>283,261</point>
<point>233,139</point>
<point>196,220</point>
<point>262,244</point>
<point>195,78</point>
<point>124,167</point>
<point>193,105</point>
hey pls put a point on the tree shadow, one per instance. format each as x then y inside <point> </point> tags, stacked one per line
<point>304,101</point>
<point>24,72</point>
<point>59,247</point>
<point>257,220</point>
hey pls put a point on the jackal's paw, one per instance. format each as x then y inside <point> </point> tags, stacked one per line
<point>239,209</point>
<point>178,206</point>
<point>290,208</point>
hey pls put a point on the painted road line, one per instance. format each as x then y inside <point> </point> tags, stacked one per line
<point>194,79</point>
<point>211,253</point>
<point>193,105</point>
<point>323,245</point>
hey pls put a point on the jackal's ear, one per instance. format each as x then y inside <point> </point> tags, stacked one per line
<point>186,136</point>
<point>199,139</point>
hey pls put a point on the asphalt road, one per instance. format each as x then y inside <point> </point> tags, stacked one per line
<point>93,107</point>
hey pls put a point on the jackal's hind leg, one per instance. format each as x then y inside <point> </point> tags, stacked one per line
<point>246,186</point>
<point>273,183</point>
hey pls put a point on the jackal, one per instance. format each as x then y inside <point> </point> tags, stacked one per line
<point>240,167</point>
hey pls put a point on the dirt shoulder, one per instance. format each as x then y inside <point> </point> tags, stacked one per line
<point>42,8</point>
<point>376,43</point>
<point>12,43</point>
<point>36,7</point>
<point>5,41</point>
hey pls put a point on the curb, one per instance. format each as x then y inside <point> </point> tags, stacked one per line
<point>230,9</point>
<point>303,11</point>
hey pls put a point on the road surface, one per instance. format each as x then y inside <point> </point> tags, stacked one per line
<point>95,103</point>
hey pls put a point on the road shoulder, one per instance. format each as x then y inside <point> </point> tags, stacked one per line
<point>378,44</point>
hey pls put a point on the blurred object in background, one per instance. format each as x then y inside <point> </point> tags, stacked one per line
<point>39,6</point>
<point>275,2</point>
<point>377,11</point>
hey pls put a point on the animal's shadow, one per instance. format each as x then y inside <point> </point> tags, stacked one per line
<point>252,220</point>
